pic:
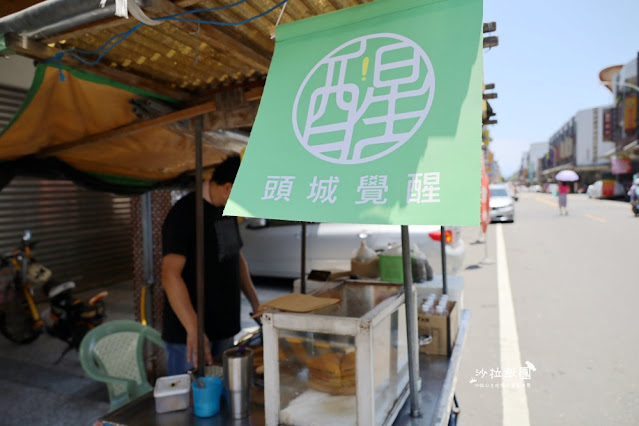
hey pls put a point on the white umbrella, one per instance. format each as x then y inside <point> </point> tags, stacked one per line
<point>567,176</point>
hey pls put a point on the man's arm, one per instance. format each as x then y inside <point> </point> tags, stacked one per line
<point>178,295</point>
<point>247,284</point>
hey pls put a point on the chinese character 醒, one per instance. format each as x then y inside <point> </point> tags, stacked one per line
<point>423,188</point>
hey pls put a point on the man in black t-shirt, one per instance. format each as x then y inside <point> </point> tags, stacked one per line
<point>225,274</point>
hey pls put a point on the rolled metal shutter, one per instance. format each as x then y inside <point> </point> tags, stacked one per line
<point>10,102</point>
<point>82,235</point>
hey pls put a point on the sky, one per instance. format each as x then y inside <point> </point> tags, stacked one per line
<point>547,64</point>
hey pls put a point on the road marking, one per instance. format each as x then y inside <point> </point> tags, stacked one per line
<point>513,392</point>
<point>597,218</point>
<point>543,200</point>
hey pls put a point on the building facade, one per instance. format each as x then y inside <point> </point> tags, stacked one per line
<point>624,117</point>
<point>581,145</point>
<point>602,142</point>
<point>536,152</point>
<point>592,142</point>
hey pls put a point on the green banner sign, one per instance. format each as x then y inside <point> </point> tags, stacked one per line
<point>371,114</point>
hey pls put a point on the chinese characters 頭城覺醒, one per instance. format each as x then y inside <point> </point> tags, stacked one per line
<point>421,188</point>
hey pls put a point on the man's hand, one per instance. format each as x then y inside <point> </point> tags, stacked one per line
<point>247,284</point>
<point>176,292</point>
<point>191,349</point>
<point>255,305</point>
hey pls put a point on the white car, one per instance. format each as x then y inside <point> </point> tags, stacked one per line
<point>502,205</point>
<point>273,248</point>
<point>613,189</point>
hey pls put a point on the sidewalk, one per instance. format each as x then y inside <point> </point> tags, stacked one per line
<point>35,391</point>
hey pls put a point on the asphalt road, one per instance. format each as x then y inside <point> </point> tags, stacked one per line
<point>554,309</point>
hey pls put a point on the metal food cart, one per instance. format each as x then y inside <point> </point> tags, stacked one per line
<point>239,107</point>
<point>438,378</point>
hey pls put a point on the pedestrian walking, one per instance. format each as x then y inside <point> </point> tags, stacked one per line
<point>563,191</point>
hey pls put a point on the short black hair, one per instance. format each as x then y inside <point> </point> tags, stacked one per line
<point>226,171</point>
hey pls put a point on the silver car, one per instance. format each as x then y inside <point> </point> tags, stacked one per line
<point>272,248</point>
<point>502,205</point>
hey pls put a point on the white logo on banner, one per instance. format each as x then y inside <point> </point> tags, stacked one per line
<point>345,121</point>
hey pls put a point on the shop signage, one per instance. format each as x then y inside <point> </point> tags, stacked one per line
<point>617,120</point>
<point>371,114</point>
<point>485,199</point>
<point>630,117</point>
<point>607,124</point>
<point>620,165</point>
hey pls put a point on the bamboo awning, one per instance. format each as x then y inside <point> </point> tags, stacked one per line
<point>127,117</point>
<point>181,59</point>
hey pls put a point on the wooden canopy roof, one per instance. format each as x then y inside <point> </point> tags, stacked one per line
<point>182,60</point>
<point>215,70</point>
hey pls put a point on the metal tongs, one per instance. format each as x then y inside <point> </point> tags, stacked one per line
<point>199,383</point>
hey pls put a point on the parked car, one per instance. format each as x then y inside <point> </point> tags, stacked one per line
<point>552,188</point>
<point>502,205</point>
<point>272,248</point>
<point>606,189</point>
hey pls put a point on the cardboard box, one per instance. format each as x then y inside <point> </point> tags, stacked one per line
<point>369,269</point>
<point>443,329</point>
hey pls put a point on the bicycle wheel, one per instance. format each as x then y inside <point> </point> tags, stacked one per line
<point>16,323</point>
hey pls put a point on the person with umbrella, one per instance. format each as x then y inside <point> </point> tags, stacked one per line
<point>563,177</point>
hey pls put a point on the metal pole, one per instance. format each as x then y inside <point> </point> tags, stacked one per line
<point>485,248</point>
<point>486,260</point>
<point>147,253</point>
<point>443,245</point>
<point>199,245</point>
<point>146,293</point>
<point>411,327</point>
<point>303,283</point>
<point>623,128</point>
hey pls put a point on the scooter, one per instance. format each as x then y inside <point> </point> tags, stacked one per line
<point>66,318</point>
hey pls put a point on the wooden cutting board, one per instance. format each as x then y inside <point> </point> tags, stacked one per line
<point>297,302</point>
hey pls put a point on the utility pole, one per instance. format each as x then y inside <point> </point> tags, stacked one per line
<point>489,42</point>
<point>487,114</point>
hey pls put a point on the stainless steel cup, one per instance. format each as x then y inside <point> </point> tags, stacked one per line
<point>238,379</point>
